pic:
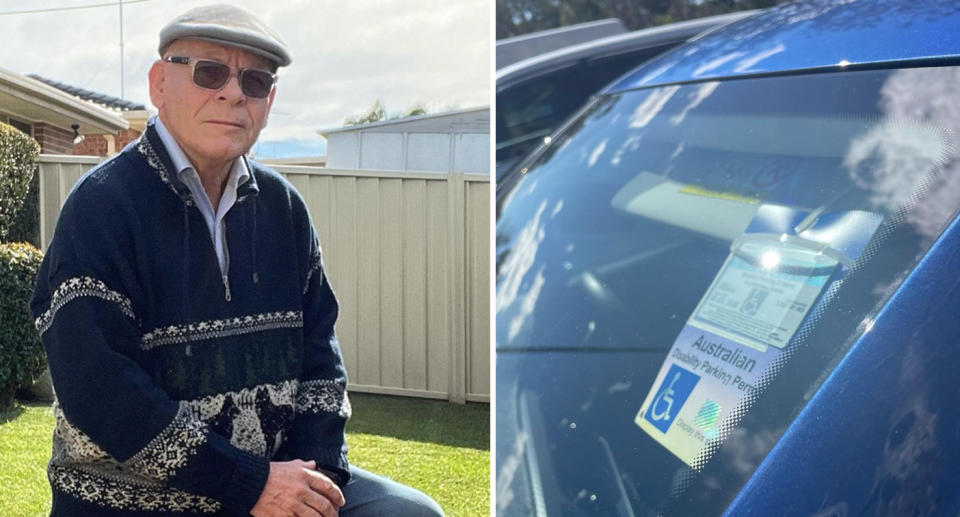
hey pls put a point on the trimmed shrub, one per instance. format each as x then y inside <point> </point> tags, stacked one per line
<point>26,224</point>
<point>22,359</point>
<point>18,161</point>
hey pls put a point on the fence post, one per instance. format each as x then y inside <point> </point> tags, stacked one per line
<point>456,201</point>
<point>48,199</point>
<point>55,185</point>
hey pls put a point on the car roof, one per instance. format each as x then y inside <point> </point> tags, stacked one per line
<point>819,35</point>
<point>517,48</point>
<point>611,45</point>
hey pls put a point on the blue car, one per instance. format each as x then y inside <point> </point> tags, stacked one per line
<point>731,284</point>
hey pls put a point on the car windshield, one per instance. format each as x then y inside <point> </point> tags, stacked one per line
<point>681,269</point>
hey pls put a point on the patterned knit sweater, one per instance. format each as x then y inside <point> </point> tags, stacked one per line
<point>176,384</point>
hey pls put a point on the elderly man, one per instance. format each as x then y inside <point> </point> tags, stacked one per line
<point>186,315</point>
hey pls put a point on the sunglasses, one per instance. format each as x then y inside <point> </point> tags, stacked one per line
<point>212,75</point>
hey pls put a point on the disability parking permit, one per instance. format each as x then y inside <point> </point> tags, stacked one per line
<point>763,292</point>
<point>750,312</point>
<point>773,277</point>
<point>703,379</point>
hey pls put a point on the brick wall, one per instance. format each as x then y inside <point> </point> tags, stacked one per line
<point>96,145</point>
<point>92,145</point>
<point>53,139</point>
<point>125,137</point>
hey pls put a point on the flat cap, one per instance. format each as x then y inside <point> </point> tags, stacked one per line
<point>227,25</point>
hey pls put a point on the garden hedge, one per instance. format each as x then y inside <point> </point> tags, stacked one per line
<point>18,161</point>
<point>26,225</point>
<point>22,359</point>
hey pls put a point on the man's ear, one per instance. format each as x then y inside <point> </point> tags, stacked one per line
<point>156,84</point>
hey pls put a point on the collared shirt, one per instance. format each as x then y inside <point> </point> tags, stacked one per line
<point>188,175</point>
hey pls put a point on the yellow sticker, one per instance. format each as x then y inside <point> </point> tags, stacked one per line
<point>697,190</point>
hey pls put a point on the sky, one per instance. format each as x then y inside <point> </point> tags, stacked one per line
<point>346,55</point>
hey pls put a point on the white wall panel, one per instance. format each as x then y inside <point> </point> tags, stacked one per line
<point>381,151</point>
<point>428,152</point>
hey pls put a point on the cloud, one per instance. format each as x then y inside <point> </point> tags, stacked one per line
<point>346,54</point>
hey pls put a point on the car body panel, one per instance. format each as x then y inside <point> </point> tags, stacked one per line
<point>518,48</point>
<point>612,45</point>
<point>814,35</point>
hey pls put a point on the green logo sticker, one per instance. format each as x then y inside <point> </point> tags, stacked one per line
<point>707,416</point>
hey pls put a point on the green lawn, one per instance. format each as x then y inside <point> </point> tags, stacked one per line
<point>24,450</point>
<point>441,448</point>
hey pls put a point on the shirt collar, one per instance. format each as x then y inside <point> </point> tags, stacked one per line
<point>239,174</point>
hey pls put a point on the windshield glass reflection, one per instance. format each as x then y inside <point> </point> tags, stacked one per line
<point>760,222</point>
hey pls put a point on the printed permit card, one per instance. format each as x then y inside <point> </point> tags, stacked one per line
<point>773,277</point>
<point>763,291</point>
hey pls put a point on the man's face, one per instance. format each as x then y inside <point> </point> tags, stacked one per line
<point>212,127</point>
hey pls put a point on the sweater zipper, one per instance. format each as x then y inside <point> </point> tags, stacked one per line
<point>226,265</point>
<point>226,255</point>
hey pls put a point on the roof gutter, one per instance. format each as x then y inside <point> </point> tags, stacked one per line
<point>403,120</point>
<point>50,98</point>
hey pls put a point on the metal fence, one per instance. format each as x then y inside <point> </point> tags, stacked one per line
<point>409,257</point>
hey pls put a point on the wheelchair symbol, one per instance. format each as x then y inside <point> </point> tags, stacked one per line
<point>664,396</point>
<point>669,400</point>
